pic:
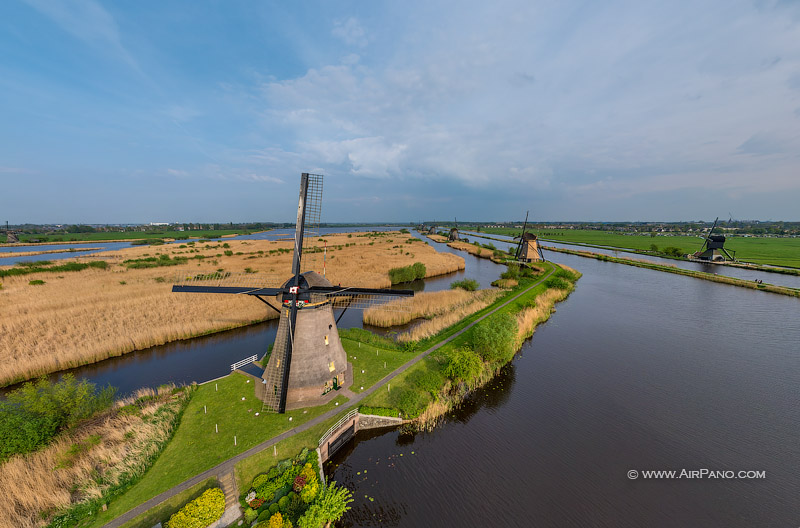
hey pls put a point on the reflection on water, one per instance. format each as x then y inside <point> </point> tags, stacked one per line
<point>638,369</point>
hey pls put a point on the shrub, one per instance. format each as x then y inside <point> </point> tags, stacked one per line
<point>266,514</point>
<point>274,508</point>
<point>466,284</point>
<point>310,492</point>
<point>494,337</point>
<point>260,480</point>
<point>462,364</point>
<point>200,512</point>
<point>283,502</point>
<point>36,282</point>
<point>250,515</point>
<point>228,253</point>
<point>329,507</point>
<point>557,283</point>
<point>31,415</point>
<point>378,411</point>
<point>407,273</point>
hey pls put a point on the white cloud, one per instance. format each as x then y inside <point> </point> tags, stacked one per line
<point>349,30</point>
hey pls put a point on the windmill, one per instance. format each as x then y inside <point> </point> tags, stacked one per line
<point>453,236</point>
<point>432,228</point>
<point>307,360</point>
<point>11,236</point>
<point>528,248</point>
<point>713,247</point>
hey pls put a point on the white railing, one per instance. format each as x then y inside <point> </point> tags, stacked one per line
<point>347,417</point>
<point>243,362</point>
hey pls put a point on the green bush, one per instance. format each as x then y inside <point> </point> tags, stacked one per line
<point>378,411</point>
<point>557,283</point>
<point>31,415</point>
<point>407,273</point>
<point>494,337</point>
<point>283,502</point>
<point>265,515</point>
<point>228,253</point>
<point>463,364</point>
<point>36,282</point>
<point>250,515</point>
<point>466,284</point>
<point>200,512</point>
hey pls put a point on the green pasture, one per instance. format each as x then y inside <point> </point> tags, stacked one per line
<point>759,250</point>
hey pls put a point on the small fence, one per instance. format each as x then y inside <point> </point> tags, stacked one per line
<point>243,362</point>
<point>349,416</point>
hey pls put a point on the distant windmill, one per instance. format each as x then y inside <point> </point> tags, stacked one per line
<point>528,249</point>
<point>453,236</point>
<point>713,247</point>
<point>307,360</point>
<point>432,228</point>
<point>11,236</point>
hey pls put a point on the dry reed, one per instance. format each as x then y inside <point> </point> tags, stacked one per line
<point>425,304</point>
<point>87,316</point>
<point>64,474</point>
<point>437,238</point>
<point>34,253</point>
<point>481,300</point>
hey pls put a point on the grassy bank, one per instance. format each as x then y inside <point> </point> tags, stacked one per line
<point>440,381</point>
<point>680,271</point>
<point>88,309</point>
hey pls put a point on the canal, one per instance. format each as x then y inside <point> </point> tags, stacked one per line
<point>638,370</point>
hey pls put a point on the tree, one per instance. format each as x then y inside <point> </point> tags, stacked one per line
<point>494,337</point>
<point>331,504</point>
<point>463,364</point>
<point>653,248</point>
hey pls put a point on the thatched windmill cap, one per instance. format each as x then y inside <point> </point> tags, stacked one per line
<point>312,278</point>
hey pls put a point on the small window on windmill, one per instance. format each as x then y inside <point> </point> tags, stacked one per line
<point>326,340</point>
<point>332,367</point>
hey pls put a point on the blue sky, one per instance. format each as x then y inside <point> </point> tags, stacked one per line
<point>208,111</point>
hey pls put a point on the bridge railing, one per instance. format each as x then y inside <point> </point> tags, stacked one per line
<point>347,417</point>
<point>243,362</point>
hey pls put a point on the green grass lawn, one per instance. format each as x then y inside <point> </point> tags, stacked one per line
<point>196,446</point>
<point>775,251</point>
<point>375,362</point>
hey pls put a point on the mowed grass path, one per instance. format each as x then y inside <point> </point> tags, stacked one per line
<point>775,251</point>
<point>196,446</point>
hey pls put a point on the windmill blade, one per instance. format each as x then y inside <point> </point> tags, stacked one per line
<point>313,214</point>
<point>522,236</point>
<point>216,282</point>
<point>364,301</point>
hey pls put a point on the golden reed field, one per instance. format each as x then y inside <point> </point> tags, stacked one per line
<point>87,316</point>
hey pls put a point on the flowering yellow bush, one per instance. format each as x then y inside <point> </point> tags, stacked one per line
<point>201,512</point>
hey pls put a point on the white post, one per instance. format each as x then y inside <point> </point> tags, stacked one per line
<point>216,388</point>
<point>205,411</point>
<point>216,428</point>
<point>388,387</point>
<point>234,439</point>
<point>275,450</point>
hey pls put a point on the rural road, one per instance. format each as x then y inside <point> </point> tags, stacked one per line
<point>226,468</point>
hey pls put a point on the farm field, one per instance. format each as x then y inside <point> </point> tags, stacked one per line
<point>57,316</point>
<point>759,250</point>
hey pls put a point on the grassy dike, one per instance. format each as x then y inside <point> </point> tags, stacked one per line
<point>441,380</point>
<point>792,292</point>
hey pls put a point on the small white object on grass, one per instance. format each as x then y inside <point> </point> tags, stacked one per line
<point>362,388</point>
<point>242,398</point>
<point>290,418</point>
<point>337,404</point>
<point>248,381</point>
<point>362,371</point>
<point>256,414</point>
